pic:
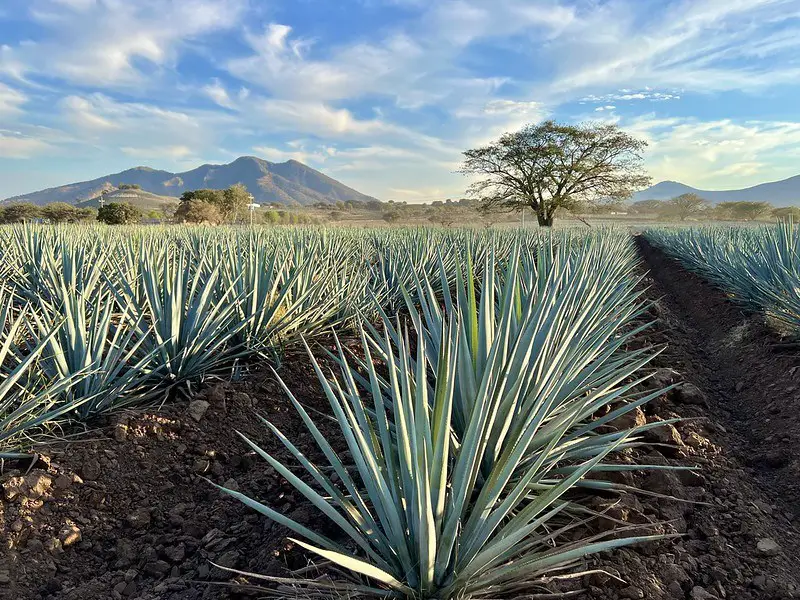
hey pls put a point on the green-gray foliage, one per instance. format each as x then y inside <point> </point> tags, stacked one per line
<point>757,267</point>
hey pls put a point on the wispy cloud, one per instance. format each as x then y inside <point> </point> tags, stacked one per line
<point>16,146</point>
<point>150,153</point>
<point>217,92</point>
<point>632,96</point>
<point>719,153</point>
<point>11,100</point>
<point>702,45</point>
<point>114,42</point>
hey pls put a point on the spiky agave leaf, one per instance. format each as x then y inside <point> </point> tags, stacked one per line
<point>571,298</point>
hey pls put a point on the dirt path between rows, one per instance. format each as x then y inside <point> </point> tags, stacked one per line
<point>746,437</point>
<point>755,382</point>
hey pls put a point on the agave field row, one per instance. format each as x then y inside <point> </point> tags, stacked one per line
<point>756,267</point>
<point>480,413</point>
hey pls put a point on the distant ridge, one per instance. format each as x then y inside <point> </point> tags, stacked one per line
<point>289,183</point>
<point>778,193</point>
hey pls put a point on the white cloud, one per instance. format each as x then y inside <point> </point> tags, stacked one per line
<point>461,22</point>
<point>154,153</point>
<point>318,119</point>
<point>14,145</point>
<point>415,65</point>
<point>325,122</point>
<point>85,115</point>
<point>10,65</point>
<point>604,108</point>
<point>718,154</point>
<point>217,92</point>
<point>102,124</point>
<point>314,158</point>
<point>480,124</point>
<point>700,45</point>
<point>11,100</point>
<point>511,107</point>
<point>629,95</point>
<point>105,42</point>
<point>101,111</point>
<point>742,169</point>
<point>280,65</point>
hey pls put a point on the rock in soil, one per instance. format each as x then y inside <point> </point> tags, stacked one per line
<point>767,547</point>
<point>198,408</point>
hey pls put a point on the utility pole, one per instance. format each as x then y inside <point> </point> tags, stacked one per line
<point>252,207</point>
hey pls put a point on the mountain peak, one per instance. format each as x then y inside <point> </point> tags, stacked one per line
<point>268,182</point>
<point>248,158</point>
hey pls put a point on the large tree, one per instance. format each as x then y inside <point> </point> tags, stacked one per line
<point>685,206</point>
<point>234,202</point>
<point>61,212</point>
<point>789,213</point>
<point>196,211</point>
<point>119,213</point>
<point>553,165</point>
<point>204,195</point>
<point>643,207</point>
<point>230,202</point>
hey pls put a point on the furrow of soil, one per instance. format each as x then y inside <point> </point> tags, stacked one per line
<point>742,409</point>
<point>755,381</point>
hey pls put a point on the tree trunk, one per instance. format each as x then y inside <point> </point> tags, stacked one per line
<point>545,219</point>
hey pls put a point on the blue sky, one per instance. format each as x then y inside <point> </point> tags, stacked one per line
<point>385,94</point>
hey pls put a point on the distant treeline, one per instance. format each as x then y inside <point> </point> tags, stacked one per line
<point>693,206</point>
<point>231,205</point>
<point>56,212</point>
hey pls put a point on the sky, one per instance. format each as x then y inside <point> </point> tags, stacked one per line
<point>384,95</point>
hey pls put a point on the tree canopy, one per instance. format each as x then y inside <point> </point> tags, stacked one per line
<point>119,213</point>
<point>743,210</point>
<point>789,213</point>
<point>685,205</point>
<point>551,165</point>
<point>61,212</point>
<point>230,202</point>
<point>198,211</point>
<point>20,213</point>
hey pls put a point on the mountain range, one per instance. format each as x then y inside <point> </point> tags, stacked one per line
<point>293,183</point>
<point>288,183</point>
<point>778,193</point>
